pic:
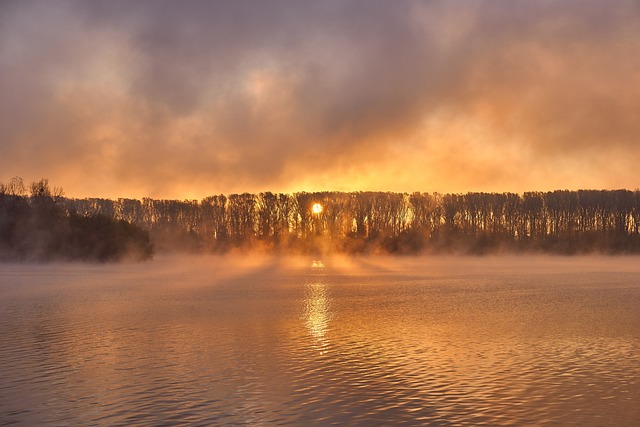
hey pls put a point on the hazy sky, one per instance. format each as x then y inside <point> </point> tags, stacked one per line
<point>184,99</point>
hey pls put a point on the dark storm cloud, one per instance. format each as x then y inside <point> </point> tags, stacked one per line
<point>168,98</point>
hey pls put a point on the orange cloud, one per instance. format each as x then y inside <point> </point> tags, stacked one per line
<point>155,99</point>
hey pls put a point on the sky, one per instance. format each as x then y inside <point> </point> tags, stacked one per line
<point>186,99</point>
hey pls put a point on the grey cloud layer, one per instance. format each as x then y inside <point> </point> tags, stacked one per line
<point>161,97</point>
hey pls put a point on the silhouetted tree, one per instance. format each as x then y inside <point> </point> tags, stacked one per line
<point>45,226</point>
<point>558,221</point>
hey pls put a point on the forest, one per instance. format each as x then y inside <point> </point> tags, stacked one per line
<point>566,222</point>
<point>37,225</point>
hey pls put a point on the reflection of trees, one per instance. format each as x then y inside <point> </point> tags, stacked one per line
<point>564,221</point>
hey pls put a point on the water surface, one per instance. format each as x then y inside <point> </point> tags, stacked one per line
<point>373,341</point>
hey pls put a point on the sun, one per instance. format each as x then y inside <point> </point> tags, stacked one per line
<point>316,208</point>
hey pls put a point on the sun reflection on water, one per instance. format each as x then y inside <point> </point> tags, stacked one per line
<point>317,310</point>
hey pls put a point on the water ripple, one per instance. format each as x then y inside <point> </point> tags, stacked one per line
<point>312,345</point>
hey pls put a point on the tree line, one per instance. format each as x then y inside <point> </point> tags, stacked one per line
<point>557,221</point>
<point>39,219</point>
<point>36,224</point>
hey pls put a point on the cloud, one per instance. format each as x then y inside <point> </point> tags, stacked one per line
<point>115,98</point>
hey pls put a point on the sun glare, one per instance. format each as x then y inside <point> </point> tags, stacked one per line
<point>316,208</point>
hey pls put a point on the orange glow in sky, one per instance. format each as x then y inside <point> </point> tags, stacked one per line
<point>156,99</point>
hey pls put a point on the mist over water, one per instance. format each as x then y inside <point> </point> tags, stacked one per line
<point>238,340</point>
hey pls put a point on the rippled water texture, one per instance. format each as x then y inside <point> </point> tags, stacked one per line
<point>375,341</point>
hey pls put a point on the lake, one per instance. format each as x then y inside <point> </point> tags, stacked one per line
<point>446,341</point>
